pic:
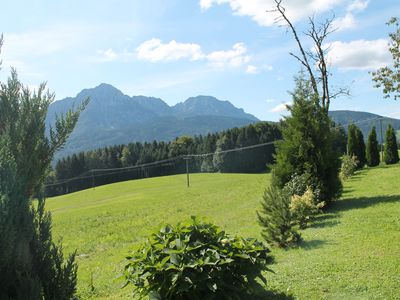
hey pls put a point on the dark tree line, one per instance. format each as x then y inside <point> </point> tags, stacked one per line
<point>90,166</point>
<point>370,154</point>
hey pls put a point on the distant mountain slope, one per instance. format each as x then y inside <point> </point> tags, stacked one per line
<point>114,118</point>
<point>345,117</point>
<point>210,106</point>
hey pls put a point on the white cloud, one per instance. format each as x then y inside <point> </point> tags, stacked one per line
<point>358,5</point>
<point>296,10</point>
<point>343,23</point>
<point>252,69</point>
<point>359,54</point>
<point>349,21</point>
<point>154,50</point>
<point>236,57</point>
<point>270,100</point>
<point>108,54</point>
<point>281,107</point>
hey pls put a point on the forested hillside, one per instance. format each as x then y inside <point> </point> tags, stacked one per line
<point>364,120</point>
<point>97,167</point>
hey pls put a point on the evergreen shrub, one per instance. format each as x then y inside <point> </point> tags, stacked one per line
<point>276,218</point>
<point>372,152</point>
<point>349,166</point>
<point>391,154</point>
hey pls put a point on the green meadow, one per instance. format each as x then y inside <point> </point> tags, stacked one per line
<point>350,252</point>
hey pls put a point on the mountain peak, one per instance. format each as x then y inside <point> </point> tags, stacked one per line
<point>103,90</point>
<point>208,105</point>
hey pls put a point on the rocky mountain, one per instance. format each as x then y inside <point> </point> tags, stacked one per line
<point>114,118</point>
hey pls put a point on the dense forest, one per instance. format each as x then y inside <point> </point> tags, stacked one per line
<point>158,158</point>
<point>136,160</point>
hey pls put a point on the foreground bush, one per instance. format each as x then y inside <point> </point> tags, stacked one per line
<point>276,218</point>
<point>32,265</point>
<point>196,260</point>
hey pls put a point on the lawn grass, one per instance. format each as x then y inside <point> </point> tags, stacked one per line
<point>350,252</point>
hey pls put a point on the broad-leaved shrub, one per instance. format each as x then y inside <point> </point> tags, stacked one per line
<point>196,260</point>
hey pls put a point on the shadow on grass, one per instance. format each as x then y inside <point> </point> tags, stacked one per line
<point>274,295</point>
<point>313,244</point>
<point>347,191</point>
<point>361,202</point>
<point>261,293</point>
<point>325,220</point>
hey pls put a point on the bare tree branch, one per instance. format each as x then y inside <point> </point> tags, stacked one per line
<point>281,10</point>
<point>314,60</point>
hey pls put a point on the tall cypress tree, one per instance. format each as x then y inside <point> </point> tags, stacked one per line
<point>356,145</point>
<point>391,154</point>
<point>372,149</point>
<point>362,159</point>
<point>307,146</point>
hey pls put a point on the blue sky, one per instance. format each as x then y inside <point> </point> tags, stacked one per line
<point>174,49</point>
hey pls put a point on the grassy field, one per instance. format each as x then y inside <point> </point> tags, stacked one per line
<point>350,252</point>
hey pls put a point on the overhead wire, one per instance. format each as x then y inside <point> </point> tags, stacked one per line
<point>186,156</point>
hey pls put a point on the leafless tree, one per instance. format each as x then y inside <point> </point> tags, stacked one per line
<point>314,60</point>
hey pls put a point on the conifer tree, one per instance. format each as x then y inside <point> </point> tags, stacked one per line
<point>391,154</point>
<point>32,266</point>
<point>362,159</point>
<point>307,146</point>
<point>356,145</point>
<point>372,149</point>
<point>276,219</point>
<point>351,140</point>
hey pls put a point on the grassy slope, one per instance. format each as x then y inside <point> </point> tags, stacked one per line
<point>350,252</point>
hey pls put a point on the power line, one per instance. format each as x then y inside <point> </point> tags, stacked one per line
<point>271,142</point>
<point>118,171</point>
<point>233,150</point>
<point>125,169</point>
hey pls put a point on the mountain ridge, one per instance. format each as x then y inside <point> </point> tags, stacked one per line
<point>364,121</point>
<point>115,118</point>
<point>112,117</point>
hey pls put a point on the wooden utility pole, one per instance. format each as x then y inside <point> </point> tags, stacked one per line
<point>186,158</point>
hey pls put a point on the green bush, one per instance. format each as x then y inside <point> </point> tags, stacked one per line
<point>276,219</point>
<point>349,166</point>
<point>299,184</point>
<point>196,260</point>
<point>304,207</point>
